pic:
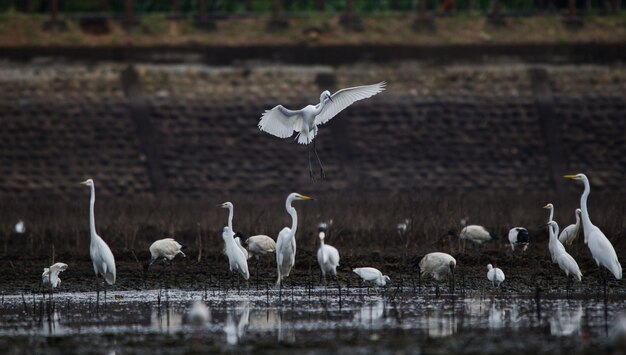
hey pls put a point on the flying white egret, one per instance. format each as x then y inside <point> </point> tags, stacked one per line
<point>566,262</point>
<point>327,257</point>
<point>571,232</point>
<point>438,266</point>
<point>495,275</point>
<point>199,314</point>
<point>282,122</point>
<point>519,236</point>
<point>50,276</point>
<point>20,228</point>
<point>237,261</point>
<point>259,245</point>
<point>554,247</point>
<point>372,275</point>
<point>601,248</point>
<point>165,249</point>
<point>286,241</point>
<point>101,255</point>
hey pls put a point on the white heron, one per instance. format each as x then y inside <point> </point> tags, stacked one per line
<point>495,275</point>
<point>199,314</point>
<point>403,226</point>
<point>50,277</point>
<point>282,122</point>
<point>372,275</point>
<point>237,261</point>
<point>286,241</point>
<point>519,236</point>
<point>438,266</point>
<point>230,207</point>
<point>20,227</point>
<point>101,255</point>
<point>566,262</point>
<point>554,245</point>
<point>327,257</point>
<point>166,249</point>
<point>571,232</point>
<point>601,248</point>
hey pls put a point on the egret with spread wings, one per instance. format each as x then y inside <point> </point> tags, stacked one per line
<point>282,122</point>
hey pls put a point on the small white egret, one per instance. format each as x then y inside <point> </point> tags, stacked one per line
<point>554,247</point>
<point>20,227</point>
<point>199,314</point>
<point>258,245</point>
<point>165,249</point>
<point>519,236</point>
<point>495,275</point>
<point>237,261</point>
<point>438,266</point>
<point>566,262</point>
<point>372,275</point>
<point>327,257</point>
<point>403,226</point>
<point>601,248</point>
<point>282,122</point>
<point>571,232</point>
<point>50,277</point>
<point>101,255</point>
<point>286,241</point>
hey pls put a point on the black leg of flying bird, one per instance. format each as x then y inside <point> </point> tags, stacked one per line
<point>310,167</point>
<point>322,173</point>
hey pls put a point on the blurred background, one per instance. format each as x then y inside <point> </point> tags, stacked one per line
<point>159,101</point>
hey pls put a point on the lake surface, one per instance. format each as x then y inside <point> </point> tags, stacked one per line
<point>313,321</point>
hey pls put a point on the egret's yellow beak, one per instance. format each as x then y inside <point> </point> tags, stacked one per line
<point>546,206</point>
<point>304,197</point>
<point>84,182</point>
<point>569,176</point>
<point>222,205</point>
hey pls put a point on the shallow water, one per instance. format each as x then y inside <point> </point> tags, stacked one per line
<point>314,321</point>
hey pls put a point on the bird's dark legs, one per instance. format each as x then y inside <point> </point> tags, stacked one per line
<point>257,272</point>
<point>322,173</point>
<point>310,167</point>
<point>97,290</point>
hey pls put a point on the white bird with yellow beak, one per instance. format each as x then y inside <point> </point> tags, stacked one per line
<point>286,242</point>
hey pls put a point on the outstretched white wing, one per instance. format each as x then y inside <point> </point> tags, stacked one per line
<point>346,97</point>
<point>281,122</point>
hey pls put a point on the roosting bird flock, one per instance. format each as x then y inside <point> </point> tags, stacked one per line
<point>282,122</point>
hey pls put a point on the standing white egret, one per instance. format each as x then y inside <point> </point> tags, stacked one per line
<point>372,275</point>
<point>50,277</point>
<point>554,247</point>
<point>519,236</point>
<point>601,248</point>
<point>167,249</point>
<point>571,232</point>
<point>438,266</point>
<point>237,261</point>
<point>286,241</point>
<point>566,262</point>
<point>101,255</point>
<point>20,228</point>
<point>495,275</point>
<point>282,122</point>
<point>230,208</point>
<point>403,226</point>
<point>327,257</point>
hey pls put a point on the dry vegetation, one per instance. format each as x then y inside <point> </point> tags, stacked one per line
<point>157,29</point>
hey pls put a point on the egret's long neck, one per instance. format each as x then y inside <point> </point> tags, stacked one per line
<point>554,232</point>
<point>92,217</point>
<point>230,218</point>
<point>551,215</point>
<point>294,217</point>
<point>319,107</point>
<point>583,204</point>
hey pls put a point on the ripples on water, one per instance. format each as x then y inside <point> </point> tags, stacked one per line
<point>259,318</point>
